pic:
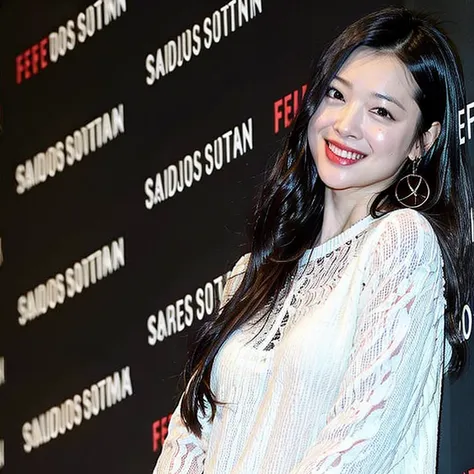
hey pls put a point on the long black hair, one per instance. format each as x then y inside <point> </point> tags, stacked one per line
<point>288,216</point>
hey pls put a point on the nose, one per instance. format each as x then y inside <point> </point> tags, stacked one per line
<point>348,121</point>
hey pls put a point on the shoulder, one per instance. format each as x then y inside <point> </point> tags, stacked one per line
<point>237,271</point>
<point>234,278</point>
<point>409,219</point>
<point>403,234</point>
<point>404,227</point>
<point>240,266</point>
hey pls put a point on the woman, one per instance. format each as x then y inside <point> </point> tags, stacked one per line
<point>335,331</point>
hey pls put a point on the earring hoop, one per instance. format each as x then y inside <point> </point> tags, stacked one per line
<point>412,190</point>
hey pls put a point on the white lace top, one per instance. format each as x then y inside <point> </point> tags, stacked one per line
<point>345,377</point>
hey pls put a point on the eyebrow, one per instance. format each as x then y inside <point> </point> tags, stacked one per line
<point>376,94</point>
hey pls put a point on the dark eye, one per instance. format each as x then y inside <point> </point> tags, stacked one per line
<point>384,113</point>
<point>333,93</point>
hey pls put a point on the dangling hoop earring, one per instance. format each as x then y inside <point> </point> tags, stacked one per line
<point>412,188</point>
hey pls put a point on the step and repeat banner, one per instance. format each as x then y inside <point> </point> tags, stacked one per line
<point>133,136</point>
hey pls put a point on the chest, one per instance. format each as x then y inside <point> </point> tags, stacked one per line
<point>305,339</point>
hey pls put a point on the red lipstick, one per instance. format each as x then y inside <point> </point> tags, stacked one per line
<point>338,159</point>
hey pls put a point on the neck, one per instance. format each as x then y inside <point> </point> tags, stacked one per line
<point>342,209</point>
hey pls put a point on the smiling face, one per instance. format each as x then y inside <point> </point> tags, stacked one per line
<point>370,109</point>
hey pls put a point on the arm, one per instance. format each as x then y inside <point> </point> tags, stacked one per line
<point>396,341</point>
<point>183,452</point>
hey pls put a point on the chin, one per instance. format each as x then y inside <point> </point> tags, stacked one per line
<point>337,180</point>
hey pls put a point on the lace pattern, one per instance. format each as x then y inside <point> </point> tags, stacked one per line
<point>311,287</point>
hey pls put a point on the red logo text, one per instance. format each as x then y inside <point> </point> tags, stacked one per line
<point>285,109</point>
<point>32,61</point>
<point>159,430</point>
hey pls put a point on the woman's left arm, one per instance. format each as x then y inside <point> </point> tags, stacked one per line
<point>184,452</point>
<point>399,337</point>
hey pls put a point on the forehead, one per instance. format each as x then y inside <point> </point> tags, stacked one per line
<point>373,71</point>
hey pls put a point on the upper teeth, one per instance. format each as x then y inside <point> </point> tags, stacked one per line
<point>345,154</point>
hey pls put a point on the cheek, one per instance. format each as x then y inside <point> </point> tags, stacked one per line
<point>390,145</point>
<point>320,120</point>
<point>380,135</point>
<point>382,140</point>
<point>395,144</point>
<point>312,126</point>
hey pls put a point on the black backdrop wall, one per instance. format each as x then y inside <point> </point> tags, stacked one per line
<point>133,137</point>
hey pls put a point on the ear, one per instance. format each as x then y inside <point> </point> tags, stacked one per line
<point>428,138</point>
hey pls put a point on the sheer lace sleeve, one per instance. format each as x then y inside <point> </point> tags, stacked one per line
<point>398,342</point>
<point>183,452</point>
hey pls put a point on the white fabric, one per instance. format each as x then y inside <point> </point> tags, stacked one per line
<point>346,375</point>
